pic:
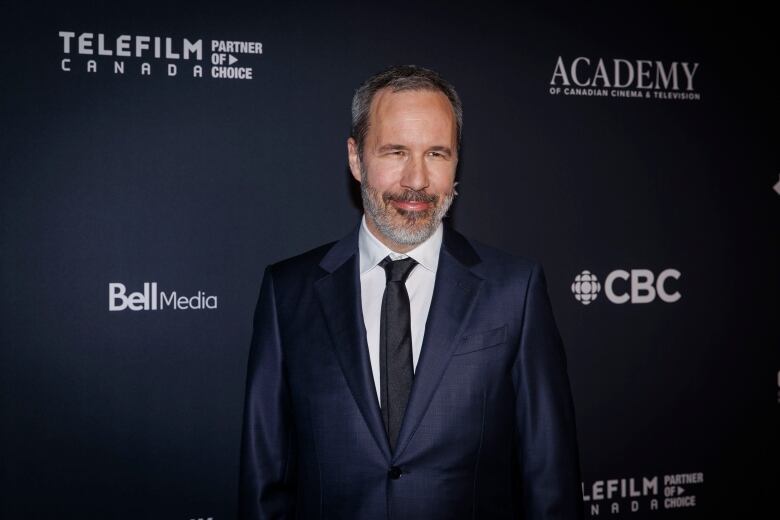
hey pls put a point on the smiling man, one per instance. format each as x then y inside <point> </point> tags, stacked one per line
<point>412,155</point>
<point>405,371</point>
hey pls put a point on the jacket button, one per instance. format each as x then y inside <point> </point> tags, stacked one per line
<point>395,472</point>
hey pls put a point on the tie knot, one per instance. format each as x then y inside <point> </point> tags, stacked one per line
<point>397,270</point>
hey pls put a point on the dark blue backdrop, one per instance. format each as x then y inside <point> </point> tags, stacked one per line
<point>197,183</point>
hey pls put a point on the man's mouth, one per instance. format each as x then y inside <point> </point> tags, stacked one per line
<point>408,205</point>
<point>410,202</point>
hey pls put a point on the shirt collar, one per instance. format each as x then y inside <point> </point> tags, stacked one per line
<point>372,251</point>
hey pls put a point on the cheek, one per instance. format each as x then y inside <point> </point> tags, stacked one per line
<point>442,178</point>
<point>384,175</point>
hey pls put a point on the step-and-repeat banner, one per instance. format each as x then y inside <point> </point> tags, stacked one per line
<point>155,158</point>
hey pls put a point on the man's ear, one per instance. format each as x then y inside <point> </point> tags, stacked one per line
<point>354,159</point>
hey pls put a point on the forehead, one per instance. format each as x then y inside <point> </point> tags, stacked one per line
<point>396,110</point>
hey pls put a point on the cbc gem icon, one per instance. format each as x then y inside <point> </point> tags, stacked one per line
<point>586,287</point>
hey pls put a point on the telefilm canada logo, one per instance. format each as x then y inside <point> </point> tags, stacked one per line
<point>628,286</point>
<point>623,78</point>
<point>146,55</point>
<point>151,298</point>
<point>646,493</point>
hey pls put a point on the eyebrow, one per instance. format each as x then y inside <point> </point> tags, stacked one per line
<point>445,149</point>
<point>389,147</point>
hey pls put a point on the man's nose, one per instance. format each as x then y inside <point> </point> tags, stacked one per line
<point>415,175</point>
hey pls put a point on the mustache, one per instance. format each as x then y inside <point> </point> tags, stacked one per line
<point>410,196</point>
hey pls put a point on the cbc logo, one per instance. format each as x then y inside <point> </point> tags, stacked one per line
<point>621,286</point>
<point>586,287</point>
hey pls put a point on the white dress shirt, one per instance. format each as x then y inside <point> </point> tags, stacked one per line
<point>419,285</point>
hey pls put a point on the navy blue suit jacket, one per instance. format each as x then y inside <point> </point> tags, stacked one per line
<point>489,427</point>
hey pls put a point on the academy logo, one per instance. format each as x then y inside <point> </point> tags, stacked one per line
<point>623,78</point>
<point>622,286</point>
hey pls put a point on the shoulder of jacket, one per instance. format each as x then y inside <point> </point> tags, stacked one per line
<point>495,260</point>
<point>299,265</point>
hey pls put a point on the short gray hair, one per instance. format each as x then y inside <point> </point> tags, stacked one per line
<point>399,78</point>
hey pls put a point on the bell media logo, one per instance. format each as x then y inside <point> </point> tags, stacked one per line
<point>621,286</point>
<point>152,299</point>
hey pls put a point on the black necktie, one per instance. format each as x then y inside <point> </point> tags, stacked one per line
<point>395,345</point>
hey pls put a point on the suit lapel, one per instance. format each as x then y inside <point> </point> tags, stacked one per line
<point>339,296</point>
<point>455,292</point>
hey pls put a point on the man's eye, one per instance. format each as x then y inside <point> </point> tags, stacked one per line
<point>436,154</point>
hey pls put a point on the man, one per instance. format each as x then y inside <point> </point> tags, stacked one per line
<point>406,372</point>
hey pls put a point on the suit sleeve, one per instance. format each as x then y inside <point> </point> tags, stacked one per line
<point>267,465</point>
<point>544,414</point>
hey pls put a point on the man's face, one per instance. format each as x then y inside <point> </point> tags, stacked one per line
<point>407,171</point>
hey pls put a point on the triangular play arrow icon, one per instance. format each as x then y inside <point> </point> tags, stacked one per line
<point>680,490</point>
<point>231,59</point>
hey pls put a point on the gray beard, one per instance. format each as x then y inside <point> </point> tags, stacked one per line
<point>420,225</point>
